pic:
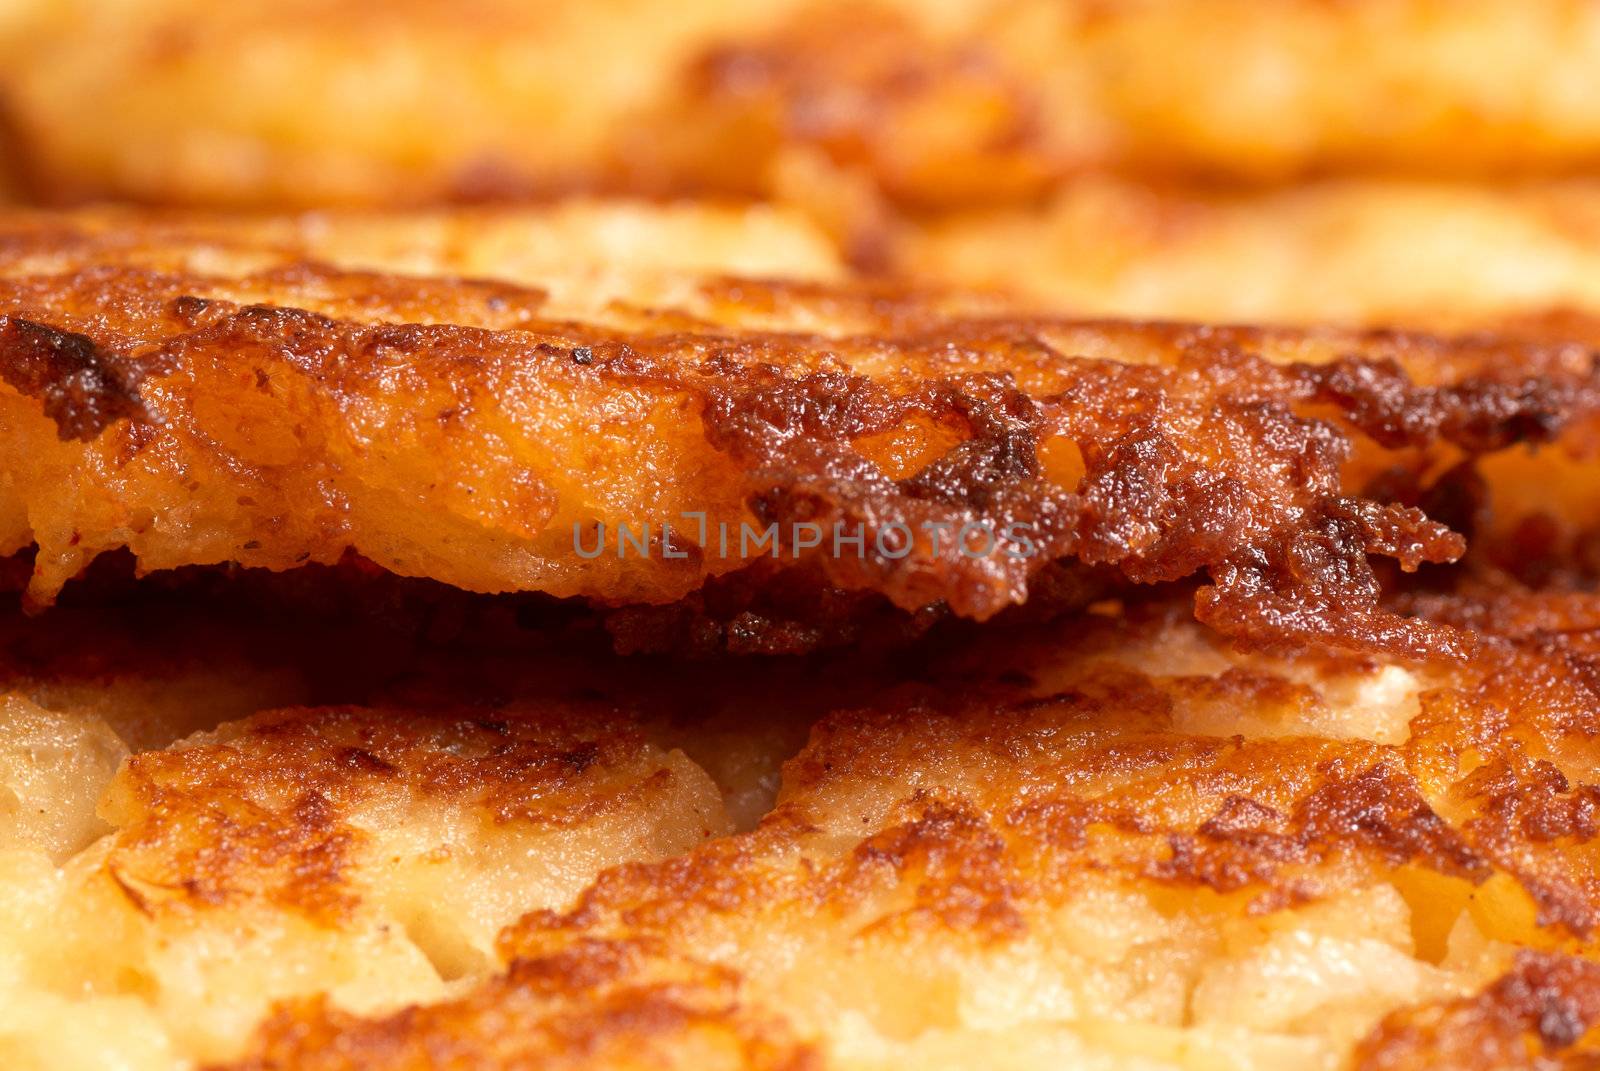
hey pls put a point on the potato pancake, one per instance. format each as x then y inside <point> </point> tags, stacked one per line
<point>800,630</point>
<point>200,402</point>
<point>973,102</point>
<point>1129,848</point>
<point>1112,840</point>
<point>312,103</point>
<point>367,844</point>
<point>1432,255</point>
<point>434,821</point>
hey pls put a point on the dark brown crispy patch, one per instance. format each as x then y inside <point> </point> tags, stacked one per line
<point>1535,1018</point>
<point>1478,414</point>
<point>83,388</point>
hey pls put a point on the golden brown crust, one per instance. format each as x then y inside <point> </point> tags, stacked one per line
<point>979,103</point>
<point>263,809</point>
<point>1437,255</point>
<point>535,103</point>
<point>995,823</point>
<point>1003,835</point>
<point>1530,1018</point>
<point>998,102</point>
<point>456,430</point>
<point>584,1007</point>
<point>365,854</point>
<point>163,658</point>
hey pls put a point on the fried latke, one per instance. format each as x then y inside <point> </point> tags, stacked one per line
<point>325,744</point>
<point>1431,255</point>
<point>940,107</point>
<point>1113,842</point>
<point>365,853</point>
<point>350,102</point>
<point>975,102</point>
<point>1111,839</point>
<point>581,242</point>
<point>369,850</point>
<point>199,402</point>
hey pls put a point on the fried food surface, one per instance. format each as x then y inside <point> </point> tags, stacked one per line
<point>592,244</point>
<point>1432,255</point>
<point>976,102</point>
<point>368,855</point>
<point>989,103</point>
<point>1261,803</point>
<point>1112,843</point>
<point>458,769</point>
<point>313,103</point>
<point>1113,840</point>
<point>271,411</point>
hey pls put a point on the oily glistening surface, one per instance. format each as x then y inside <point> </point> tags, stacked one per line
<point>324,745</point>
<point>199,397</point>
<point>338,817</point>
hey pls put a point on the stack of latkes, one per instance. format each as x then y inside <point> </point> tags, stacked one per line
<point>627,534</point>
